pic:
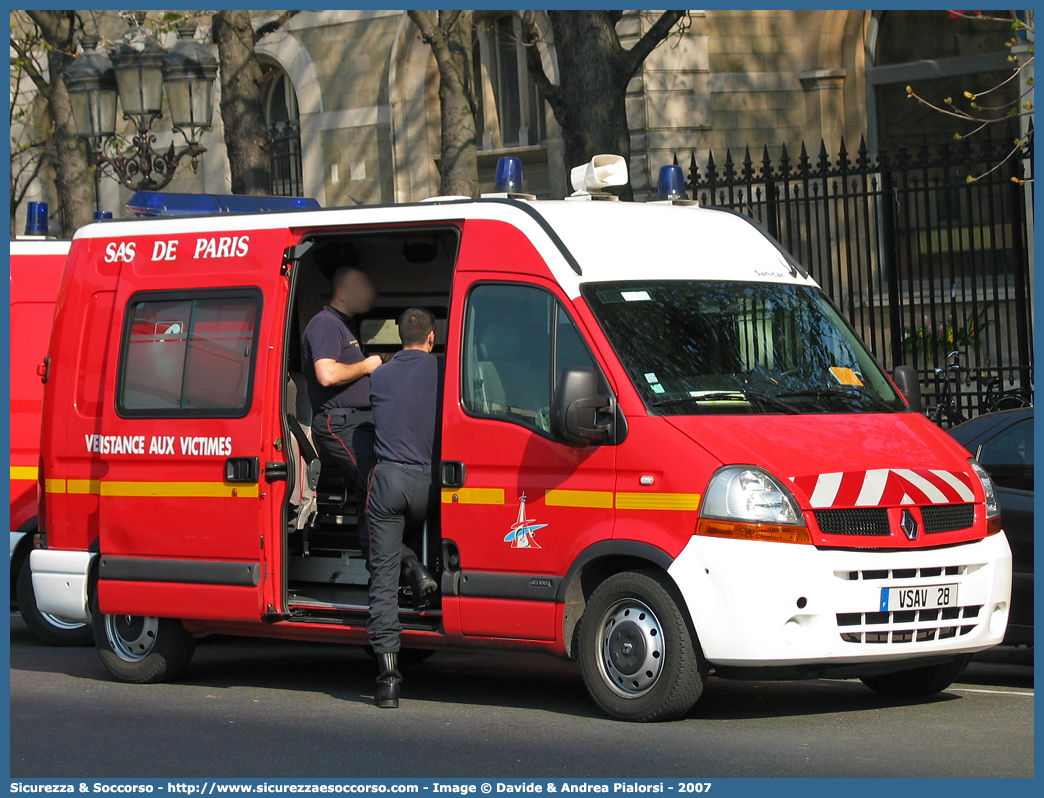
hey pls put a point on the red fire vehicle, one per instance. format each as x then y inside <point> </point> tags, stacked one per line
<point>36,268</point>
<point>664,461</point>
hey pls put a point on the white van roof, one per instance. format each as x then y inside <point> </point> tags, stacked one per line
<point>606,241</point>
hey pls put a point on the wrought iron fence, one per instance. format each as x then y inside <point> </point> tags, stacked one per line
<point>286,159</point>
<point>921,260</point>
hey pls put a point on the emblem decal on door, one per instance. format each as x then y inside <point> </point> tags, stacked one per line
<point>523,531</point>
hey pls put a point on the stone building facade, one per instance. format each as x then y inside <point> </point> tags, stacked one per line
<point>352,96</point>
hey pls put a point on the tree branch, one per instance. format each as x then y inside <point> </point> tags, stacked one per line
<point>46,21</point>
<point>30,68</point>
<point>275,24</point>
<point>430,32</point>
<point>634,57</point>
<point>530,37</point>
<point>449,21</point>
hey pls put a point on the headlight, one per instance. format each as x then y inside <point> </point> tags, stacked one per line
<point>739,493</point>
<point>745,503</point>
<point>992,504</point>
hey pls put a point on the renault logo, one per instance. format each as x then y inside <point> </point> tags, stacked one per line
<point>908,525</point>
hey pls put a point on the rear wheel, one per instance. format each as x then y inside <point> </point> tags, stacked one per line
<point>53,630</point>
<point>140,649</point>
<point>639,657</point>
<point>918,682</point>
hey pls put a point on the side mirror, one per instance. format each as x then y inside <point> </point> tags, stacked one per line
<point>575,406</point>
<point>909,386</point>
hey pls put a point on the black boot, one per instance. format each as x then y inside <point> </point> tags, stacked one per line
<point>388,681</point>
<point>421,582</point>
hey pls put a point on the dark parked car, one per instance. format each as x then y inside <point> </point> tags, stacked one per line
<point>1003,444</point>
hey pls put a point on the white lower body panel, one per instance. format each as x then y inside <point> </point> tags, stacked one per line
<point>758,604</point>
<point>60,582</point>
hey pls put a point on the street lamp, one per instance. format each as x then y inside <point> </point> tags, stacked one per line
<point>138,72</point>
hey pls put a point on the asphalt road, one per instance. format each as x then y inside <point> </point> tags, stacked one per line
<point>254,708</point>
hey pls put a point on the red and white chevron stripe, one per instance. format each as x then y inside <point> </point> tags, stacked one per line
<point>886,487</point>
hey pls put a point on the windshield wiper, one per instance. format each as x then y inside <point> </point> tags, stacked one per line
<point>746,394</point>
<point>846,392</point>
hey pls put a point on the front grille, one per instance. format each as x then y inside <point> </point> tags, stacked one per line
<point>907,573</point>
<point>871,521</point>
<point>947,517</point>
<point>919,626</point>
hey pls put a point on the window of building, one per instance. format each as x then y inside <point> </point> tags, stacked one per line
<point>511,107</point>
<point>279,101</point>
<point>941,56</point>
<point>189,355</point>
<point>516,339</point>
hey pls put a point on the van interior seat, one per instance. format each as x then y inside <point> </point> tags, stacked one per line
<point>508,371</point>
<point>300,407</point>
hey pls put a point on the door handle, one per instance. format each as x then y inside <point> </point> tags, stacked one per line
<point>452,473</point>
<point>242,469</point>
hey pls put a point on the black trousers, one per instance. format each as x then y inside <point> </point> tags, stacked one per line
<point>399,494</point>
<point>348,437</point>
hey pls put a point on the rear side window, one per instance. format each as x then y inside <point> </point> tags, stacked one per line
<point>1008,456</point>
<point>189,354</point>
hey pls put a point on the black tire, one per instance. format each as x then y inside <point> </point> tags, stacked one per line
<point>50,629</point>
<point>640,658</point>
<point>918,682</point>
<point>141,650</point>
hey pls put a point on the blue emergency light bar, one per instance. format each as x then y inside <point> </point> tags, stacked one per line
<point>509,175</point>
<point>671,183</point>
<point>157,203</point>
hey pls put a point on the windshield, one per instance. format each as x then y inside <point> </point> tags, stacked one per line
<point>727,348</point>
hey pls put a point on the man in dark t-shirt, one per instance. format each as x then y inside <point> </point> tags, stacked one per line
<point>404,397</point>
<point>338,376</point>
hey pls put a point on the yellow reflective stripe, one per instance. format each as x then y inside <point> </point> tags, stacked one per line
<point>177,490</point>
<point>473,495</point>
<point>657,501</point>
<point>24,472</point>
<point>600,499</point>
<point>84,487</point>
<point>587,499</point>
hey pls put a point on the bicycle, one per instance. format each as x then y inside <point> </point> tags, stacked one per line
<point>948,408</point>
<point>1011,399</point>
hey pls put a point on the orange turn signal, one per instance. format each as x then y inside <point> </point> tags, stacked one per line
<point>745,531</point>
<point>993,525</point>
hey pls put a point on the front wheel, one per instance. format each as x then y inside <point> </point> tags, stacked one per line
<point>52,629</point>
<point>140,649</point>
<point>639,657</point>
<point>918,682</point>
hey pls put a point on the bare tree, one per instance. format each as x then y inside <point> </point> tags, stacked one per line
<point>27,119</point>
<point>74,178</point>
<point>247,139</point>
<point>981,110</point>
<point>594,69</point>
<point>451,39</point>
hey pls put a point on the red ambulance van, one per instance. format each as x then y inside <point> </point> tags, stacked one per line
<point>662,461</point>
<point>36,268</point>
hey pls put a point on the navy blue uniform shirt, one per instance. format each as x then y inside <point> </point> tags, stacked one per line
<point>330,334</point>
<point>404,393</point>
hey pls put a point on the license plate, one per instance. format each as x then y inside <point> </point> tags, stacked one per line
<point>924,597</point>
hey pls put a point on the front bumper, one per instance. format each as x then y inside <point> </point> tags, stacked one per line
<point>764,605</point>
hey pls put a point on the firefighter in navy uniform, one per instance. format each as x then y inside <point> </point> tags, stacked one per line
<point>339,383</point>
<point>403,393</point>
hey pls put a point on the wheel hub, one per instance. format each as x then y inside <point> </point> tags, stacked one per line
<point>631,648</point>
<point>131,636</point>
